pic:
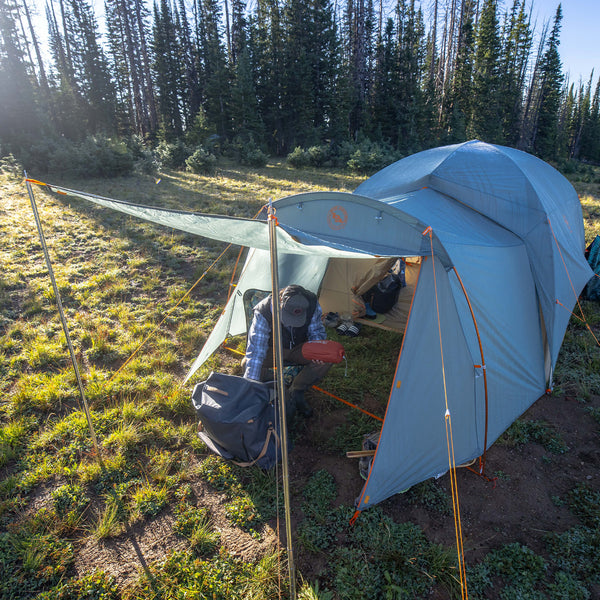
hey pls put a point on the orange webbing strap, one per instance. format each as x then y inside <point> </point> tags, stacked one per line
<point>237,261</point>
<point>449,441</point>
<point>149,336</point>
<point>231,284</point>
<point>347,403</point>
<point>233,350</point>
<point>572,286</point>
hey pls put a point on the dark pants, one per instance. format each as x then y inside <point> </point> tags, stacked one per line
<point>311,373</point>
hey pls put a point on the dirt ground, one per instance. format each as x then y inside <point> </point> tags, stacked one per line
<point>516,506</point>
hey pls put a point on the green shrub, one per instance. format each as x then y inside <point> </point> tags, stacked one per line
<point>95,586</point>
<point>172,155</point>
<point>70,498</point>
<point>576,551</point>
<point>522,432</point>
<point>201,161</point>
<point>104,157</point>
<point>241,512</point>
<point>96,156</point>
<point>319,493</point>
<point>317,155</point>
<point>195,525</point>
<point>298,158</point>
<point>566,587</point>
<point>254,157</point>
<point>584,503</point>
<point>219,473</point>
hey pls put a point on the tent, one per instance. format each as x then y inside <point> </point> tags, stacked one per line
<point>494,246</point>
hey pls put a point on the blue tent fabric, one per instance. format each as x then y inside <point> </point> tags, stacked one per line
<point>500,240</point>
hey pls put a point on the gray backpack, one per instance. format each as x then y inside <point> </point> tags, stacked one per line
<point>239,419</point>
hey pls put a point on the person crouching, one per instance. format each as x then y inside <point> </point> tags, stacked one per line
<point>301,321</point>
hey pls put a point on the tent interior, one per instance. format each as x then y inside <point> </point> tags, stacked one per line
<point>346,280</point>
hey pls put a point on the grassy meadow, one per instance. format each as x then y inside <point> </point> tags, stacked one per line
<point>187,524</point>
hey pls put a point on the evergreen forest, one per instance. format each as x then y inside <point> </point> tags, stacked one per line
<point>315,80</point>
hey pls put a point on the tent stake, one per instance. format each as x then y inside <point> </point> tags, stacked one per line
<point>63,319</point>
<point>278,355</point>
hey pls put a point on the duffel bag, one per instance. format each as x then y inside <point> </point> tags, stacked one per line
<point>239,419</point>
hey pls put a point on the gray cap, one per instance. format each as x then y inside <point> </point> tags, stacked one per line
<point>293,310</point>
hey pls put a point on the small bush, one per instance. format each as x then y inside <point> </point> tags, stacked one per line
<point>172,155</point>
<point>95,586</point>
<point>317,155</point>
<point>254,157</point>
<point>522,432</point>
<point>584,503</point>
<point>96,156</point>
<point>69,499</point>
<point>201,161</point>
<point>298,158</point>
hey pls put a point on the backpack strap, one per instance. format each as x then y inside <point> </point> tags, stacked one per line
<point>270,432</point>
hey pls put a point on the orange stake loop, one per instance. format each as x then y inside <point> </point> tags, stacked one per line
<point>450,444</point>
<point>347,403</point>
<point>36,181</point>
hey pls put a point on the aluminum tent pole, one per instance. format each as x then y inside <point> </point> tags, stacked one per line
<point>63,320</point>
<point>278,355</point>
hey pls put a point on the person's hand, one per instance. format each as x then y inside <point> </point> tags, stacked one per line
<point>318,362</point>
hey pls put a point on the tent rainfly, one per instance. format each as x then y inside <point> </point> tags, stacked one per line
<point>494,246</point>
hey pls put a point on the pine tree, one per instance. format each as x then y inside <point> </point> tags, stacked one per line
<point>386,82</point>
<point>590,136</point>
<point>545,141</point>
<point>168,72</point>
<point>67,105</point>
<point>517,39</point>
<point>309,71</point>
<point>267,46</point>
<point>130,64</point>
<point>215,72</point>
<point>91,69</point>
<point>18,117</point>
<point>485,121</point>
<point>190,92</point>
<point>459,111</point>
<point>358,39</point>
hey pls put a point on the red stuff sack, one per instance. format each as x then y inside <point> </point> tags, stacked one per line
<point>328,351</point>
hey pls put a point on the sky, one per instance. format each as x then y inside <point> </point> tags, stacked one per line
<point>580,32</point>
<point>579,48</point>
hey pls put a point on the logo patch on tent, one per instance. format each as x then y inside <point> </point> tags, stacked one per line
<point>337,217</point>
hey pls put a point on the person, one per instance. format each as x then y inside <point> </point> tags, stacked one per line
<point>301,321</point>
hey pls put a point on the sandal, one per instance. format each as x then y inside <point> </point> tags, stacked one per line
<point>353,330</point>
<point>343,328</point>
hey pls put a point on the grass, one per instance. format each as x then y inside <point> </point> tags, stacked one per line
<point>120,281</point>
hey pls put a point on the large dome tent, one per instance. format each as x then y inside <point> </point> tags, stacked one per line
<point>493,242</point>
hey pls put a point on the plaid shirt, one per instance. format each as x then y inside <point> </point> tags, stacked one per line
<point>260,333</point>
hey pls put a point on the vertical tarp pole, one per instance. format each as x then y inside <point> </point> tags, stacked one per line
<point>63,319</point>
<point>278,356</point>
